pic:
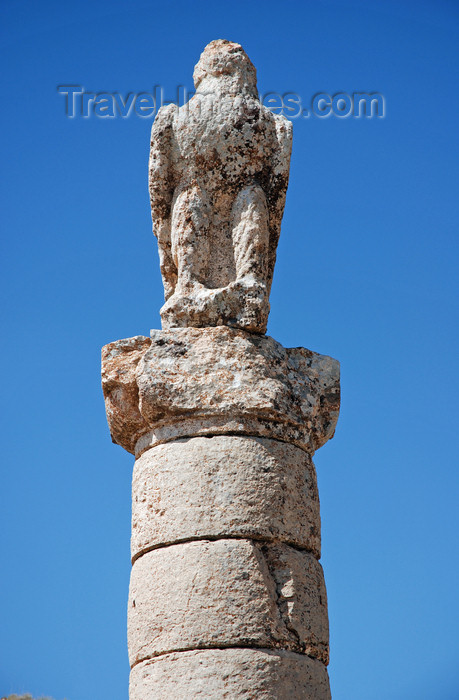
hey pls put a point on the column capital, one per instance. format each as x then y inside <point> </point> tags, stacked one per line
<point>186,382</point>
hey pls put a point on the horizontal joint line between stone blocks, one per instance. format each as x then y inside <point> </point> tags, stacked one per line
<point>230,433</point>
<point>223,647</point>
<point>217,538</point>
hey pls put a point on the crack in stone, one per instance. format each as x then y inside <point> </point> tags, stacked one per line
<point>314,650</point>
<point>280,600</point>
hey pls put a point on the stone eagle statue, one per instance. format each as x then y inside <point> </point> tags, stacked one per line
<point>218,175</point>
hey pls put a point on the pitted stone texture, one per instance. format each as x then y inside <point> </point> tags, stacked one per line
<point>301,597</point>
<point>218,674</point>
<point>219,168</point>
<point>224,485</point>
<point>230,592</point>
<point>121,393</point>
<point>197,381</point>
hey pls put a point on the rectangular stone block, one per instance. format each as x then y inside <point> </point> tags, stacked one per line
<point>226,485</point>
<point>229,592</point>
<point>187,382</point>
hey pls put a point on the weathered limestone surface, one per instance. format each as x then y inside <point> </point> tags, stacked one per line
<point>229,592</point>
<point>245,674</point>
<point>195,381</point>
<point>219,168</point>
<point>227,597</point>
<point>119,367</point>
<point>224,485</point>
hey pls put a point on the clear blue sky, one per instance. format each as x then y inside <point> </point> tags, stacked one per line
<point>367,272</point>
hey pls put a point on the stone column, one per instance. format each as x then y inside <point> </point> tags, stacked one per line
<point>227,597</point>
